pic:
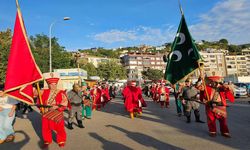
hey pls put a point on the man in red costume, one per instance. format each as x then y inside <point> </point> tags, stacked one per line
<point>105,98</point>
<point>133,99</point>
<point>54,101</point>
<point>216,103</point>
<point>96,97</point>
<point>153,91</point>
<point>157,96</point>
<point>163,95</point>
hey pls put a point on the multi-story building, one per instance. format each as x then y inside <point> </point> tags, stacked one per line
<point>135,63</point>
<point>246,52</point>
<point>214,62</point>
<point>236,65</point>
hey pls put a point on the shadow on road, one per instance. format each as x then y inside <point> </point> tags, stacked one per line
<point>16,145</point>
<point>36,121</point>
<point>108,144</point>
<point>146,140</point>
<point>237,124</point>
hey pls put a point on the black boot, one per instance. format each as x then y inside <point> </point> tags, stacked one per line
<point>188,119</point>
<point>188,115</point>
<point>197,116</point>
<point>70,126</point>
<point>80,124</point>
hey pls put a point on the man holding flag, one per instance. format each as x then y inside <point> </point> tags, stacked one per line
<point>184,58</point>
<point>54,102</point>
<point>22,72</point>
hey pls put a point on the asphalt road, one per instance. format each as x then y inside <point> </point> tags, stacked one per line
<point>157,128</point>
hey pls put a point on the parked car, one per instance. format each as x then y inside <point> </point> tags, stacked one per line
<point>240,91</point>
<point>244,85</point>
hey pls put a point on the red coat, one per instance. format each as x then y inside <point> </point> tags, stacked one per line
<point>224,94</point>
<point>166,92</point>
<point>48,125</point>
<point>61,95</point>
<point>132,96</point>
<point>96,97</point>
<point>153,90</point>
<point>105,95</point>
<point>124,91</point>
<point>212,115</point>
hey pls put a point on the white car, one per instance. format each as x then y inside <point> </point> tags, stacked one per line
<point>240,91</point>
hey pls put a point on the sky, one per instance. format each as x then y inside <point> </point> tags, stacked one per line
<point>122,23</point>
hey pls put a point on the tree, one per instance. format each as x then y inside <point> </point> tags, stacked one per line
<point>223,41</point>
<point>90,68</point>
<point>234,49</point>
<point>152,74</point>
<point>110,70</point>
<point>5,43</point>
<point>40,48</point>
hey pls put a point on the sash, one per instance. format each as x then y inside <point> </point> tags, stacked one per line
<point>216,99</point>
<point>220,110</point>
<point>53,115</point>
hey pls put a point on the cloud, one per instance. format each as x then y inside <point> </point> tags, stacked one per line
<point>140,34</point>
<point>115,35</point>
<point>228,19</point>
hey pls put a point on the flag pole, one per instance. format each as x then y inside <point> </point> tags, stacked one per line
<point>203,81</point>
<point>40,96</point>
<point>180,8</point>
<point>17,5</point>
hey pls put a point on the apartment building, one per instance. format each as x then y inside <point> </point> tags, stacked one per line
<point>246,52</point>
<point>236,65</point>
<point>137,62</point>
<point>214,62</point>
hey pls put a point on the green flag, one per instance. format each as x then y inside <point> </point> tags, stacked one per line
<point>184,56</point>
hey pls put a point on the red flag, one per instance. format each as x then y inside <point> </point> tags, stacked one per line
<point>22,70</point>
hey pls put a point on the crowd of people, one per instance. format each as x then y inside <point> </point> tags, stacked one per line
<point>82,100</point>
<point>211,92</point>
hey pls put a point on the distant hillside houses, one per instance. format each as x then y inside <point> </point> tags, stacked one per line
<point>140,58</point>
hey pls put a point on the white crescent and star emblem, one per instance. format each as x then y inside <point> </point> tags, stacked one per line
<point>178,54</point>
<point>182,38</point>
<point>189,51</point>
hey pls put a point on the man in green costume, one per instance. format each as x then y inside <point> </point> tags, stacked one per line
<point>86,106</point>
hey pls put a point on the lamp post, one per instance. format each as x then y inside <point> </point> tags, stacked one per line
<point>77,56</point>
<point>50,30</point>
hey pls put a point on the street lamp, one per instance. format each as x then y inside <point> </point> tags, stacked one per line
<point>50,30</point>
<point>77,56</point>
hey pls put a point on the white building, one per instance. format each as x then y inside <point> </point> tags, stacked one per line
<point>236,65</point>
<point>214,62</point>
<point>135,63</point>
<point>71,76</point>
<point>246,52</point>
